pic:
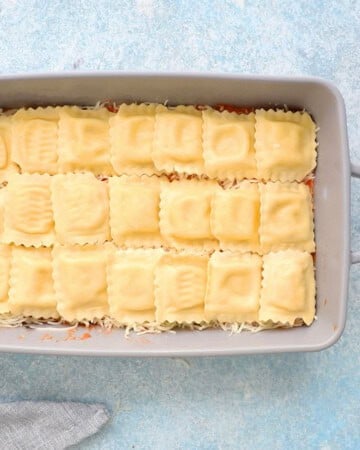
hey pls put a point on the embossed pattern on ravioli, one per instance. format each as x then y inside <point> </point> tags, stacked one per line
<point>286,217</point>
<point>28,211</point>
<point>81,209</point>
<point>131,139</point>
<point>185,211</point>
<point>285,145</point>
<point>178,140</point>
<point>233,289</point>
<point>228,143</point>
<point>180,288</point>
<point>84,142</point>
<point>35,140</point>
<point>288,288</point>
<point>7,165</point>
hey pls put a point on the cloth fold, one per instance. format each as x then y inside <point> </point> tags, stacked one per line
<point>28,425</point>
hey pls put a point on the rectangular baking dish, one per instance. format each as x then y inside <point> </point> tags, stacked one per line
<point>332,208</point>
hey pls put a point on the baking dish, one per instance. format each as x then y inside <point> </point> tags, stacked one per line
<point>332,208</point>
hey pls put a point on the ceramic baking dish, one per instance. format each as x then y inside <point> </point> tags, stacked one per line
<point>332,208</point>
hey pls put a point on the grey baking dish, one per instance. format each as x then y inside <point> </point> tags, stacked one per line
<point>332,208</point>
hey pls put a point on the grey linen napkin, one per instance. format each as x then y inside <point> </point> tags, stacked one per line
<point>48,425</point>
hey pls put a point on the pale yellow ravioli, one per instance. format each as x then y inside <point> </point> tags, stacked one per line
<point>2,212</point>
<point>6,163</point>
<point>81,209</point>
<point>233,290</point>
<point>185,211</point>
<point>28,216</point>
<point>229,144</point>
<point>286,217</point>
<point>81,281</point>
<point>5,256</point>
<point>285,145</point>
<point>180,288</point>
<point>235,217</point>
<point>134,210</point>
<point>35,139</point>
<point>32,291</point>
<point>84,142</point>
<point>178,140</point>
<point>288,291</point>
<point>131,139</point>
<point>131,285</point>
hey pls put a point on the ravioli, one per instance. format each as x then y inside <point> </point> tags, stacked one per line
<point>81,209</point>
<point>288,290</point>
<point>131,276</point>
<point>178,140</point>
<point>233,289</point>
<point>32,291</point>
<point>285,145</point>
<point>180,288</point>
<point>28,212</point>
<point>35,139</point>
<point>81,281</point>
<point>84,142</point>
<point>185,212</point>
<point>228,141</point>
<point>131,137</point>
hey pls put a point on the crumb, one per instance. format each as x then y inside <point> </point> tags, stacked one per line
<point>47,337</point>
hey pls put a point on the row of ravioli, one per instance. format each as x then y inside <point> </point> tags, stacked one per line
<point>142,211</point>
<point>138,286</point>
<point>153,139</point>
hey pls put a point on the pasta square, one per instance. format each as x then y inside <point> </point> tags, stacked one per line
<point>185,209</point>
<point>84,142</point>
<point>288,291</point>
<point>35,139</point>
<point>233,290</point>
<point>32,291</point>
<point>131,136</point>
<point>178,140</point>
<point>180,288</point>
<point>81,209</point>
<point>2,213</point>
<point>131,285</point>
<point>134,210</point>
<point>229,144</point>
<point>5,255</point>
<point>286,217</point>
<point>28,215</point>
<point>285,145</point>
<point>235,217</point>
<point>80,281</point>
<point>6,165</point>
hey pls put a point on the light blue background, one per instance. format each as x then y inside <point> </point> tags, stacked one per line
<point>300,401</point>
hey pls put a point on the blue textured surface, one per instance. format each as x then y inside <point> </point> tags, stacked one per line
<point>300,401</point>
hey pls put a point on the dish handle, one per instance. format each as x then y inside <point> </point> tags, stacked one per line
<point>355,172</point>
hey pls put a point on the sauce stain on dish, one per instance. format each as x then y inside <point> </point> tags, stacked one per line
<point>85,336</point>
